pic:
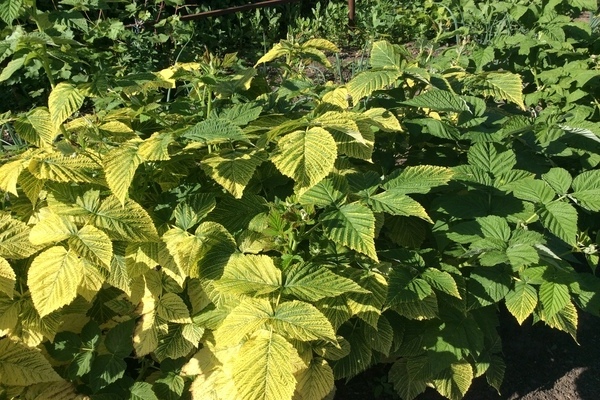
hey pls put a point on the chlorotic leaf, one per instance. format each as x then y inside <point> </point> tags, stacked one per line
<point>52,228</point>
<point>171,308</point>
<point>301,321</point>
<point>454,381</point>
<point>7,278</point>
<point>249,316</point>
<point>306,156</point>
<point>233,169</point>
<point>125,221</point>
<point>263,368</point>
<point>394,202</point>
<point>9,10</point>
<point>312,283</point>
<point>9,174</point>
<point>23,366</point>
<point>316,381</point>
<point>53,278</point>
<point>120,165</point>
<point>63,101</point>
<point>249,274</point>
<point>352,225</point>
<point>366,82</point>
<point>500,86</point>
<point>521,301</point>
<point>93,245</point>
<point>36,127</point>
<point>14,238</point>
<point>418,179</point>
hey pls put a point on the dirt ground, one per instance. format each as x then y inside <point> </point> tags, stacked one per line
<point>541,364</point>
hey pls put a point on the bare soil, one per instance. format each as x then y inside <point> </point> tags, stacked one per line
<point>541,364</point>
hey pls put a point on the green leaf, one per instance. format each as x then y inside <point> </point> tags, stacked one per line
<point>325,193</point>
<point>248,317</point>
<point>521,301</point>
<point>8,278</point>
<point>586,187</point>
<point>9,10</point>
<point>53,278</point>
<point>406,383</point>
<point>492,157</point>
<point>560,219</point>
<point>442,281</point>
<point>394,202</point>
<point>142,391</point>
<point>366,82</point>
<point>316,381</point>
<point>534,190</point>
<point>454,382</point>
<point>172,308</point>
<point>554,297</point>
<point>494,227</point>
<point>120,165</point>
<point>126,221</point>
<point>169,387</point>
<point>119,339</point>
<point>233,169</point>
<point>313,282</point>
<point>306,156</point>
<point>13,66</point>
<point>559,179</point>
<point>361,354</point>
<point>106,369</point>
<point>24,366</point>
<point>495,372</point>
<point>241,114</point>
<point>439,100</point>
<point>64,100</point>
<point>174,344</point>
<point>262,369</point>
<point>301,321</point>
<point>213,131</point>
<point>417,179</point>
<point>352,225</point>
<point>500,86</point>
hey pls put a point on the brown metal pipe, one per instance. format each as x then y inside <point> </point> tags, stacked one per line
<point>231,10</point>
<point>351,14</point>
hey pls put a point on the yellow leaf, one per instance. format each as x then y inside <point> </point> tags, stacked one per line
<point>316,381</point>
<point>93,245</point>
<point>63,101</point>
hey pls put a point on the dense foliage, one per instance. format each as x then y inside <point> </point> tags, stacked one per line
<point>202,229</point>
